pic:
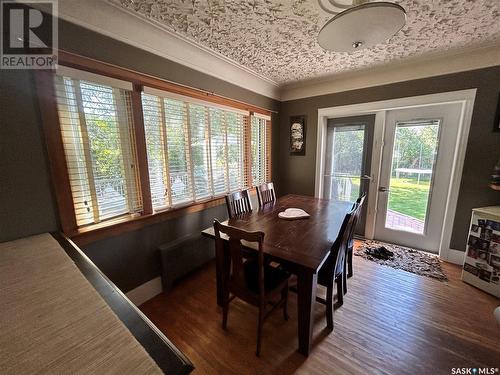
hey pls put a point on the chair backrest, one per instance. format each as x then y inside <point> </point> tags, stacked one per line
<point>335,261</point>
<point>357,207</point>
<point>236,281</point>
<point>361,200</point>
<point>266,193</point>
<point>238,203</point>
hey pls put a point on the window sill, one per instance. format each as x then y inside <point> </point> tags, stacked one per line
<point>114,227</point>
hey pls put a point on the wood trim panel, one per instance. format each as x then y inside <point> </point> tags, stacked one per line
<point>95,232</point>
<point>91,233</point>
<point>269,149</point>
<point>140,146</point>
<point>247,140</point>
<point>110,70</point>
<point>55,149</point>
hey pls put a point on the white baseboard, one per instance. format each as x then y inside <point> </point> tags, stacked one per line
<point>453,256</point>
<point>145,291</point>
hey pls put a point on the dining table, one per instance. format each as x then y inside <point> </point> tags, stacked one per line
<point>301,246</point>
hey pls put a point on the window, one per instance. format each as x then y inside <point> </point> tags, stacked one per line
<point>198,133</point>
<point>235,130</point>
<point>260,148</point>
<point>96,126</point>
<point>195,150</point>
<point>127,150</point>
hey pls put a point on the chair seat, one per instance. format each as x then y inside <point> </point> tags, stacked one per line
<point>273,276</point>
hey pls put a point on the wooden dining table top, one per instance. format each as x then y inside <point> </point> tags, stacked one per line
<point>304,242</point>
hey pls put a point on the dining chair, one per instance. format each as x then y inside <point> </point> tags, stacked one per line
<point>250,279</point>
<point>359,202</point>
<point>238,203</point>
<point>333,270</point>
<point>266,193</point>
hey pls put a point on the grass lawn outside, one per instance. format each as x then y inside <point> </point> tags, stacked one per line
<point>408,197</point>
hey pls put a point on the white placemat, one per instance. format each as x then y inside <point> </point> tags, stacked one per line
<point>293,214</point>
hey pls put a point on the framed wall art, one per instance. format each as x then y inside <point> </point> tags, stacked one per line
<point>298,135</point>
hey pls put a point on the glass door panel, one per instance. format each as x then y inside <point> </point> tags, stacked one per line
<point>344,163</point>
<point>412,169</point>
<point>348,161</point>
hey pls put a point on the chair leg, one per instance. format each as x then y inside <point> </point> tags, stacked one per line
<point>349,262</point>
<point>340,291</point>
<point>259,330</point>
<point>344,277</point>
<point>284,296</point>
<point>329,307</point>
<point>225,311</point>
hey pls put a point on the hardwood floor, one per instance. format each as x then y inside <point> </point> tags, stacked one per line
<point>392,322</point>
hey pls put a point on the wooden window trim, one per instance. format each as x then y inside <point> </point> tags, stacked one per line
<point>55,150</point>
<point>269,150</point>
<point>109,228</point>
<point>142,155</point>
<point>57,159</point>
<point>247,140</point>
<point>95,232</point>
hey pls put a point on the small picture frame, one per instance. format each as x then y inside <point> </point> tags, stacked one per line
<point>298,135</point>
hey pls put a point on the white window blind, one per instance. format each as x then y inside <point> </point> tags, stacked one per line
<point>218,151</point>
<point>195,151</point>
<point>179,156</point>
<point>235,131</point>
<point>199,141</point>
<point>98,138</point>
<point>259,142</point>
<point>153,113</point>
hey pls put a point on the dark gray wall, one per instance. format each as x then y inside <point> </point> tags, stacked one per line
<point>297,173</point>
<point>131,259</point>
<point>26,199</point>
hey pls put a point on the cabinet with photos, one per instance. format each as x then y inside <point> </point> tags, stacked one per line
<point>482,260</point>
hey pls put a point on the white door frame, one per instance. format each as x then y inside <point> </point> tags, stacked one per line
<point>464,97</point>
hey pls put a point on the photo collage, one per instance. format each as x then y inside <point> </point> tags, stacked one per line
<point>483,251</point>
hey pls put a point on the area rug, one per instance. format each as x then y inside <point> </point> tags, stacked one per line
<point>404,258</point>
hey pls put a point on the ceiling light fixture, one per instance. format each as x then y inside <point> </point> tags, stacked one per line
<point>362,25</point>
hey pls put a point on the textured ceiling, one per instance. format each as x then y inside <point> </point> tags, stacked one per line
<point>277,38</point>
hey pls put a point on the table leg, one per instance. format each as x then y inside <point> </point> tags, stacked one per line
<point>306,298</point>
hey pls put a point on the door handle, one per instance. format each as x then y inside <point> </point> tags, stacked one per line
<point>383,189</point>
<point>366,177</point>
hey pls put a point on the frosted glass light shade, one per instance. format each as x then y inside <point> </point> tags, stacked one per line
<point>362,26</point>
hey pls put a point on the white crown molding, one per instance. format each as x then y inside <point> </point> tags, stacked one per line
<point>117,23</point>
<point>420,67</point>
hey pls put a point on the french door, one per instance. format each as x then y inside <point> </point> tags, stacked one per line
<point>346,175</point>
<point>417,163</point>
